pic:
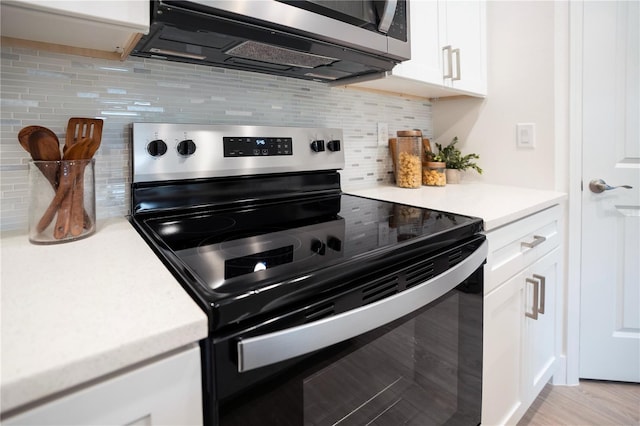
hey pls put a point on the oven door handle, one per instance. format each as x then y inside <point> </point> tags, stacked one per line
<point>267,349</point>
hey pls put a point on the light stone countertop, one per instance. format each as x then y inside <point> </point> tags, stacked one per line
<point>497,205</point>
<point>74,312</point>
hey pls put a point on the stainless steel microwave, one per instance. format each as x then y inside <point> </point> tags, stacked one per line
<point>312,39</point>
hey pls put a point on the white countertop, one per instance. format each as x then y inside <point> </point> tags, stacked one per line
<point>497,205</point>
<point>76,311</point>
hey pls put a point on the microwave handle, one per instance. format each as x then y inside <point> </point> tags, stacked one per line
<point>388,13</point>
<point>267,349</point>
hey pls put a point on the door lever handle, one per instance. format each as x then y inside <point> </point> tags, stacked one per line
<point>598,185</point>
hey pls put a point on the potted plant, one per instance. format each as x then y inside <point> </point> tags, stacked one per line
<point>454,160</point>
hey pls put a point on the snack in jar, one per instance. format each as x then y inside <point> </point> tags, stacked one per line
<point>408,167</point>
<point>433,173</point>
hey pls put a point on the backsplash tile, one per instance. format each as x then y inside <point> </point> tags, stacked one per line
<point>44,88</point>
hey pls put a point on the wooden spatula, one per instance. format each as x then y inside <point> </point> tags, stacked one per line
<point>69,213</point>
<point>78,128</point>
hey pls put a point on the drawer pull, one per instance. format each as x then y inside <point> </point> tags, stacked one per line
<point>534,305</point>
<point>537,240</point>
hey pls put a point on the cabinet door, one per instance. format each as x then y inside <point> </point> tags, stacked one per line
<point>102,29</point>
<point>426,58</point>
<point>541,338</point>
<point>503,352</point>
<point>463,31</point>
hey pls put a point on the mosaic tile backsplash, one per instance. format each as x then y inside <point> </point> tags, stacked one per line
<point>44,88</point>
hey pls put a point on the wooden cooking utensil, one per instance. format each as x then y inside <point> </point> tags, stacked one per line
<point>87,128</point>
<point>78,128</point>
<point>23,135</point>
<point>71,215</point>
<point>46,147</point>
<point>68,174</point>
<point>78,219</point>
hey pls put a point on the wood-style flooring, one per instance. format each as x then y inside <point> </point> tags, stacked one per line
<point>592,403</point>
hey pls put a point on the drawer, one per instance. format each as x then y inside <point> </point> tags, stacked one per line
<point>167,391</point>
<point>519,244</point>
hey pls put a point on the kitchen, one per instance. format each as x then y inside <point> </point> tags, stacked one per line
<point>41,87</point>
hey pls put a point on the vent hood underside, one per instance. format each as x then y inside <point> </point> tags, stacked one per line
<point>183,35</point>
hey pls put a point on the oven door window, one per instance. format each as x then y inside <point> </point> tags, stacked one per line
<point>423,369</point>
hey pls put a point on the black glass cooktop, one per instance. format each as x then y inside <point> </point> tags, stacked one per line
<point>243,250</point>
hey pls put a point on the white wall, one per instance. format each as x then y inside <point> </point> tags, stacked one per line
<point>521,68</point>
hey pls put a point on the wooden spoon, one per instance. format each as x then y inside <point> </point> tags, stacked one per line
<point>44,153</point>
<point>23,135</point>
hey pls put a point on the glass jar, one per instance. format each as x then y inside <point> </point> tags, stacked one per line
<point>433,173</point>
<point>408,159</point>
<point>62,204</point>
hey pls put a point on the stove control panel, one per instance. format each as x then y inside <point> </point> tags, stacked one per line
<point>167,151</point>
<point>256,146</point>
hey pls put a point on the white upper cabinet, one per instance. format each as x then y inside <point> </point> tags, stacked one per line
<point>426,57</point>
<point>448,52</point>
<point>463,42</point>
<point>105,28</point>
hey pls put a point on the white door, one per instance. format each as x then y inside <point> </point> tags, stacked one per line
<point>610,287</point>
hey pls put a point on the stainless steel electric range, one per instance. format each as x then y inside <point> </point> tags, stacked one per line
<point>324,308</point>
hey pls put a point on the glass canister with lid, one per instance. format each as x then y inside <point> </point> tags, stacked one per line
<point>434,173</point>
<point>408,159</point>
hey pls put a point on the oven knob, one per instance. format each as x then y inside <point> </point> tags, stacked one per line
<point>317,146</point>
<point>333,145</point>
<point>334,243</point>
<point>186,147</point>
<point>318,246</point>
<point>156,148</point>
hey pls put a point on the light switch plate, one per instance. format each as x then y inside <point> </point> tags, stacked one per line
<point>383,134</point>
<point>526,135</point>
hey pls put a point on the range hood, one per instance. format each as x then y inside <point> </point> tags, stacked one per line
<point>270,36</point>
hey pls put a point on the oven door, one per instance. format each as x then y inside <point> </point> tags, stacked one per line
<point>413,358</point>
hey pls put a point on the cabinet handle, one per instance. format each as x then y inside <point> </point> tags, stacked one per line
<point>536,298</point>
<point>448,60</point>
<point>542,280</point>
<point>537,240</point>
<point>457,53</point>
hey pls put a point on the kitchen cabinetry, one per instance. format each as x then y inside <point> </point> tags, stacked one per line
<point>165,392</point>
<point>448,52</point>
<point>521,318</point>
<point>104,29</point>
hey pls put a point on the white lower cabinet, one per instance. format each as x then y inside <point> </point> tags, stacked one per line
<point>521,317</point>
<point>165,392</point>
